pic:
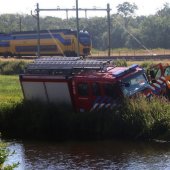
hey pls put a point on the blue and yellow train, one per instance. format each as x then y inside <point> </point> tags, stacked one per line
<point>52,43</point>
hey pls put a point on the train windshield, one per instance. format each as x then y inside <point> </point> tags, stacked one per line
<point>84,38</point>
<point>134,84</point>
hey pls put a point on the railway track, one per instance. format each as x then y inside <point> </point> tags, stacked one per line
<point>133,58</point>
<point>127,58</point>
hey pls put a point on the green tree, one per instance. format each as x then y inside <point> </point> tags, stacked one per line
<point>165,11</point>
<point>97,26</point>
<point>126,10</point>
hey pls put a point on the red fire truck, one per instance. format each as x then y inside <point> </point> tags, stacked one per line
<point>87,85</point>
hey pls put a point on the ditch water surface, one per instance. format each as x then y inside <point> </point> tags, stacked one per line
<point>114,155</point>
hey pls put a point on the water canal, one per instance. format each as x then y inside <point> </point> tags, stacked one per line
<point>123,155</point>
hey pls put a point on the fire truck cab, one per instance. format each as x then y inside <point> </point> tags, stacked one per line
<point>87,85</point>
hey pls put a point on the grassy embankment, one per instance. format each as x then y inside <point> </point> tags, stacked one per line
<point>135,119</point>
<point>10,91</point>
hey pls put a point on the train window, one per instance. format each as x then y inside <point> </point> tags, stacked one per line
<point>83,89</point>
<point>85,40</point>
<point>110,90</point>
<point>167,71</point>
<point>96,89</point>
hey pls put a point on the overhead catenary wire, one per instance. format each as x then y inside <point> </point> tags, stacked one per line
<point>38,10</point>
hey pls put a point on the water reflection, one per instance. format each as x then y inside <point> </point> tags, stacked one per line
<point>123,155</point>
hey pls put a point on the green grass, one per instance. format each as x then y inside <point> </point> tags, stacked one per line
<point>10,90</point>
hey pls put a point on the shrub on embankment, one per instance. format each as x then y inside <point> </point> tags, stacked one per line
<point>135,119</point>
<point>12,67</point>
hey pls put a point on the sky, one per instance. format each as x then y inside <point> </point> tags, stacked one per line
<point>145,7</point>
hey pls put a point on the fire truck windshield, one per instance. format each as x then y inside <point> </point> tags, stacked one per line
<point>134,84</point>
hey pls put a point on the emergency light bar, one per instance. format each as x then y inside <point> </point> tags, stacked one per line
<point>120,73</point>
<point>133,66</point>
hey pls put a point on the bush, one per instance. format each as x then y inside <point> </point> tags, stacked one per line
<point>120,63</point>
<point>142,116</point>
<point>12,67</point>
<point>146,65</point>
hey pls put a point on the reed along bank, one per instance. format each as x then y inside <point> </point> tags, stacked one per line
<point>135,119</point>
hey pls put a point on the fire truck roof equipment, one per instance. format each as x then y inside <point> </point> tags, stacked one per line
<point>64,65</point>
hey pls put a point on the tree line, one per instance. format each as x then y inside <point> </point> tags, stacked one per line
<point>127,30</point>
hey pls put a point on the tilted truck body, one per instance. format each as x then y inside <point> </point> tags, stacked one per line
<point>86,85</point>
